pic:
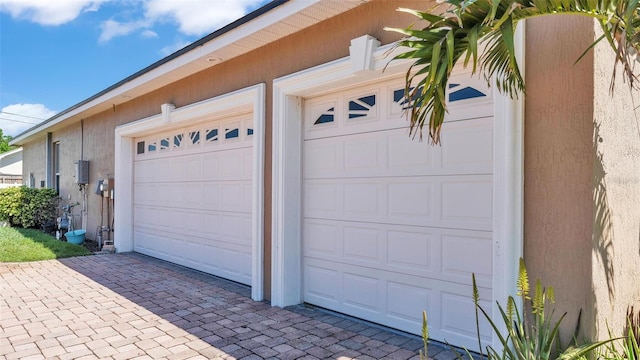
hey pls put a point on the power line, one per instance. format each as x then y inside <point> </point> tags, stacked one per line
<point>18,121</point>
<point>27,116</point>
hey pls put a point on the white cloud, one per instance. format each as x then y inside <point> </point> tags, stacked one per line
<point>179,44</point>
<point>48,12</point>
<point>112,28</point>
<point>149,34</point>
<point>197,17</point>
<point>16,118</point>
<point>193,17</point>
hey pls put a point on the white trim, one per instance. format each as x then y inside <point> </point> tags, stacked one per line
<point>361,52</point>
<point>508,211</point>
<point>252,99</point>
<point>286,211</point>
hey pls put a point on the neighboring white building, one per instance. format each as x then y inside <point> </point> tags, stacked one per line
<point>11,168</point>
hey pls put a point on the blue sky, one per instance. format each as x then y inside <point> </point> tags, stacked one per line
<point>56,53</point>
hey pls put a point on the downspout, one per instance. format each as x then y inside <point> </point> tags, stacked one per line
<point>83,188</point>
<point>49,161</point>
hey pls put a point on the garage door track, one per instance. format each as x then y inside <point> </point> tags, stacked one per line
<point>130,306</point>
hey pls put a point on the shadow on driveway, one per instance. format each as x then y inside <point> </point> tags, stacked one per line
<point>130,305</point>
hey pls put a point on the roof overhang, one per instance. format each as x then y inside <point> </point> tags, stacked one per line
<point>267,24</point>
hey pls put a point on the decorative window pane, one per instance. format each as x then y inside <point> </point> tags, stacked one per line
<point>195,137</point>
<point>230,133</point>
<point>211,135</point>
<point>400,98</point>
<point>140,147</point>
<point>177,140</point>
<point>458,93</point>
<point>326,117</point>
<point>249,131</point>
<point>151,147</point>
<point>164,144</point>
<point>398,95</point>
<point>361,107</point>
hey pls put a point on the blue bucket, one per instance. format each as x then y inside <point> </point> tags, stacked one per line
<point>75,236</point>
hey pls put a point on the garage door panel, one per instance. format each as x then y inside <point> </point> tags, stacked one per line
<point>417,251</point>
<point>322,238</point>
<point>396,155</point>
<point>411,251</point>
<point>467,146</point>
<point>233,164</point>
<point>393,299</point>
<point>477,256</point>
<point>362,244</point>
<point>467,202</point>
<point>211,223</point>
<point>445,201</point>
<point>411,199</point>
<point>322,285</point>
<point>392,226</point>
<point>361,293</point>
<point>323,158</point>
<point>193,198</point>
<point>193,195</point>
<point>458,317</point>
<point>364,200</point>
<point>406,303</point>
<point>235,196</point>
<point>407,156</point>
<point>211,166</point>
<point>363,156</point>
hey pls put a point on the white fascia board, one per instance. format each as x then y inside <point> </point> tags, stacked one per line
<point>3,155</point>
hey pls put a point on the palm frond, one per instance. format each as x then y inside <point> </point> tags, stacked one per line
<point>460,28</point>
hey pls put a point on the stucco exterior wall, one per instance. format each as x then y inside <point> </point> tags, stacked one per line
<point>616,196</point>
<point>558,204</point>
<point>324,42</point>
<point>34,161</point>
<point>582,177</point>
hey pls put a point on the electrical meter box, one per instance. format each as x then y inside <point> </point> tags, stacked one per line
<point>82,172</point>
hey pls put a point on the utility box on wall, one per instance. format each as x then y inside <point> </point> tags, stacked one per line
<point>82,172</point>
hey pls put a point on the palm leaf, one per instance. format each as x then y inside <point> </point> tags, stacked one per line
<point>459,29</point>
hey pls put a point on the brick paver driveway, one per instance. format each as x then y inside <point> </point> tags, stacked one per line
<point>130,306</point>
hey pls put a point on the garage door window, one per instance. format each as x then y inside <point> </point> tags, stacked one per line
<point>231,133</point>
<point>140,150</point>
<point>177,141</point>
<point>460,92</point>
<point>325,118</point>
<point>194,136</point>
<point>151,147</point>
<point>361,107</point>
<point>211,135</point>
<point>164,144</point>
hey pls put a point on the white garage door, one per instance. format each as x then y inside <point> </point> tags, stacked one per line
<point>192,197</point>
<point>391,226</point>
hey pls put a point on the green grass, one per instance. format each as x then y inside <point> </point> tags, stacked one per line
<point>19,245</point>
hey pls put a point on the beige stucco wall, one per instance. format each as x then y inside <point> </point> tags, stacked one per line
<point>558,161</point>
<point>616,196</point>
<point>34,161</point>
<point>582,164</point>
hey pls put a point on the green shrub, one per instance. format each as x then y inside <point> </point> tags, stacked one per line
<point>28,208</point>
